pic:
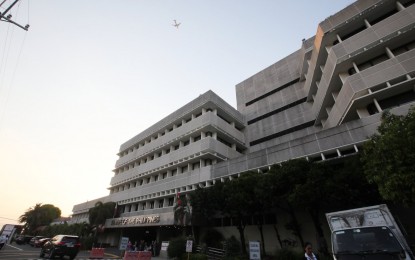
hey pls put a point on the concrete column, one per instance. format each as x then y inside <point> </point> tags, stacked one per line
<point>338,38</point>
<point>355,67</point>
<point>389,53</point>
<point>377,105</point>
<point>362,112</point>
<point>399,6</point>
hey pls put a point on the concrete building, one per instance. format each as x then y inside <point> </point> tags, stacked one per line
<point>321,102</point>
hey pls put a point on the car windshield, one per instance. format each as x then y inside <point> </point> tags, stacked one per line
<point>72,240</point>
<point>365,240</point>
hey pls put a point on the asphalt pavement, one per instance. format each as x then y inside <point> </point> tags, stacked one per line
<point>26,252</point>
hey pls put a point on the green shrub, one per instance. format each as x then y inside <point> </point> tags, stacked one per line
<point>177,247</point>
<point>287,254</point>
<point>196,256</point>
<point>213,238</point>
<point>233,247</point>
<point>86,242</point>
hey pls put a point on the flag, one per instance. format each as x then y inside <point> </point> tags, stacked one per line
<point>115,210</point>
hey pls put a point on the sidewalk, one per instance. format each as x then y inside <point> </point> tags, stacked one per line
<point>115,252</point>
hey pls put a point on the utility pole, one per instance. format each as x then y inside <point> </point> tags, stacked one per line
<point>8,18</point>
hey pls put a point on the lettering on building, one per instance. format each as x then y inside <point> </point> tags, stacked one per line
<point>135,221</point>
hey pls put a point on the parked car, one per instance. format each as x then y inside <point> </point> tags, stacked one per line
<point>21,240</point>
<point>61,245</point>
<point>34,240</point>
<point>41,242</point>
<point>3,241</point>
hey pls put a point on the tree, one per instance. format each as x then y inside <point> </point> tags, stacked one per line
<point>389,158</point>
<point>38,216</point>
<point>285,177</point>
<point>240,202</point>
<point>100,213</point>
<point>206,203</point>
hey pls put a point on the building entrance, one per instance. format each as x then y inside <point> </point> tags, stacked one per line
<point>140,235</point>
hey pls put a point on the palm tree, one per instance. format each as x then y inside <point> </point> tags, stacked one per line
<point>37,216</point>
<point>99,214</point>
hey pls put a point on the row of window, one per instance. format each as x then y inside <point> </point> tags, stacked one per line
<point>171,128</point>
<point>181,144</point>
<point>161,203</point>
<point>381,14</point>
<point>272,92</point>
<point>163,175</point>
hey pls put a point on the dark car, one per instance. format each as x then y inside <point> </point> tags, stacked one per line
<point>34,240</point>
<point>41,242</point>
<point>21,240</point>
<point>61,245</point>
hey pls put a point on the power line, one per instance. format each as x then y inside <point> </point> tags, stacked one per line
<point>9,219</point>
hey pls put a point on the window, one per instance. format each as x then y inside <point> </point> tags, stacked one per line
<point>152,205</point>
<point>176,147</point>
<point>186,143</point>
<point>156,178</point>
<point>209,134</point>
<point>208,162</point>
<point>167,151</point>
<point>143,206</point>
<point>197,138</point>
<point>184,169</point>
<point>173,172</point>
<point>196,166</point>
<point>171,201</point>
<point>161,203</point>
<point>164,175</point>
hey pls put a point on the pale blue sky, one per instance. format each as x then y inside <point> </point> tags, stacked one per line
<point>89,75</point>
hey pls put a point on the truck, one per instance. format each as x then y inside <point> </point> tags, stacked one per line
<point>367,233</point>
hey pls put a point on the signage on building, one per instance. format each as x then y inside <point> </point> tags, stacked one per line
<point>124,243</point>
<point>134,221</point>
<point>189,245</point>
<point>164,245</point>
<point>254,250</point>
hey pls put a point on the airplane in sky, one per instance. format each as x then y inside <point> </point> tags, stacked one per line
<point>176,24</point>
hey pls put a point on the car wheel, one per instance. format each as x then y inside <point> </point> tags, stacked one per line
<point>42,254</point>
<point>52,254</point>
<point>72,257</point>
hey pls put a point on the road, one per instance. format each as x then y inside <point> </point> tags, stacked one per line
<point>26,252</point>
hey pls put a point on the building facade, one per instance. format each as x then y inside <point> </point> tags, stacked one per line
<point>321,102</point>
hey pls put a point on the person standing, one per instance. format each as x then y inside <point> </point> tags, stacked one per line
<point>308,249</point>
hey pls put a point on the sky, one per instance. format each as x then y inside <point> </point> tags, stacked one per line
<point>89,75</point>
